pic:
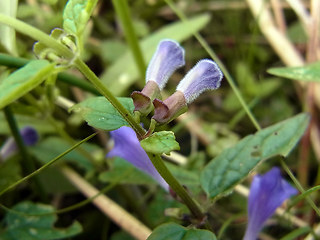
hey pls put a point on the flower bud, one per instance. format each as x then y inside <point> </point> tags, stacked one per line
<point>205,75</point>
<point>168,57</point>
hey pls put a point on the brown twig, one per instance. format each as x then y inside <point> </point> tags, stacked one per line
<point>279,16</point>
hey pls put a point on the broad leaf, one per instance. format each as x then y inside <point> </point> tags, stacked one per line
<point>24,80</point>
<point>76,15</point>
<point>99,112</point>
<point>174,231</point>
<point>308,73</point>
<point>35,224</point>
<point>160,142</point>
<point>234,164</point>
<point>118,78</point>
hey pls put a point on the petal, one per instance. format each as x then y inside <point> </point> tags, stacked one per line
<point>127,146</point>
<point>29,136</point>
<point>203,76</point>
<point>168,57</point>
<point>267,193</point>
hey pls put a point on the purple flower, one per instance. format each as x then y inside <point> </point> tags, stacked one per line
<point>168,57</point>
<point>29,136</point>
<point>267,193</point>
<point>205,75</point>
<point>127,146</point>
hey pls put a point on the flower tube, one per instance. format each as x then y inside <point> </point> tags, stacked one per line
<point>127,146</point>
<point>168,57</point>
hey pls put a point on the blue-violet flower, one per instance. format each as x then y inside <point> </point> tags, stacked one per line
<point>205,75</point>
<point>127,146</point>
<point>168,57</point>
<point>267,193</point>
<point>29,136</point>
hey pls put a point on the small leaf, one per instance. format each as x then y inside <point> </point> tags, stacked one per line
<point>24,80</point>
<point>307,73</point>
<point>35,223</point>
<point>160,142</point>
<point>174,231</point>
<point>178,31</point>
<point>234,164</point>
<point>99,112</point>
<point>76,15</point>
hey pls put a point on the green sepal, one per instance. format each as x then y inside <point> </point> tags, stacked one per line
<point>160,142</point>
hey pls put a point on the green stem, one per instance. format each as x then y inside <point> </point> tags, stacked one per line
<point>86,71</point>
<point>27,163</point>
<point>177,188</point>
<point>36,34</point>
<point>16,62</point>
<point>299,186</point>
<point>123,12</point>
<point>212,54</point>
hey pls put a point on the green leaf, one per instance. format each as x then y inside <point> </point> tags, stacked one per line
<point>76,15</point>
<point>125,173</point>
<point>8,34</point>
<point>35,224</point>
<point>24,80</point>
<point>99,112</point>
<point>307,73</point>
<point>118,78</point>
<point>174,231</point>
<point>160,142</point>
<point>234,164</point>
